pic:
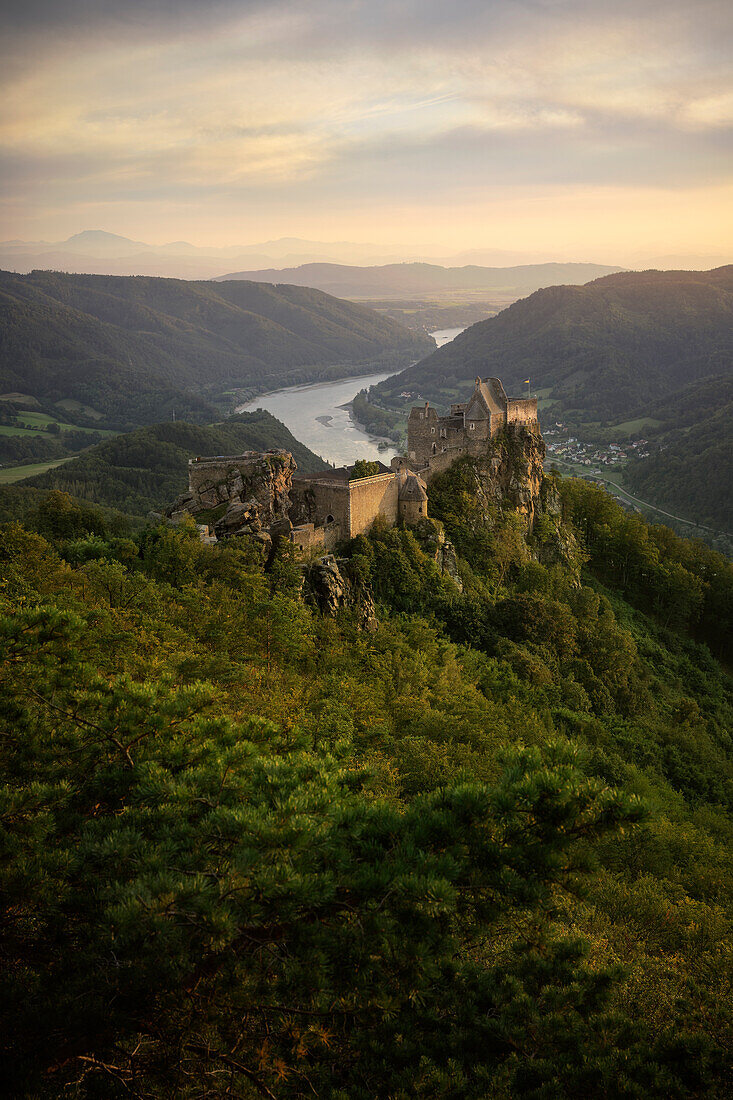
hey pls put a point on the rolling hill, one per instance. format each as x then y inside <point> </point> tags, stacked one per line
<point>655,346</point>
<point>415,280</point>
<point>148,468</point>
<point>132,351</point>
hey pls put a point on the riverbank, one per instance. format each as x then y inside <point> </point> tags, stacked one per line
<point>319,415</point>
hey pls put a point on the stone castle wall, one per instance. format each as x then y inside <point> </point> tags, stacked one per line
<point>320,501</point>
<point>468,426</point>
<point>521,410</point>
<point>371,497</point>
<point>412,511</point>
<point>352,505</point>
<point>422,432</point>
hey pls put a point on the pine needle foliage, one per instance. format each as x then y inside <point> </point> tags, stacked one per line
<point>247,851</point>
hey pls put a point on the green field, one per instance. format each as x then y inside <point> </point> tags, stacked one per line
<point>69,405</point>
<point>34,420</point>
<point>13,429</point>
<point>10,474</point>
<point>638,424</point>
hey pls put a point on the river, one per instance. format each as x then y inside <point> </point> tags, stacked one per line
<point>318,415</point>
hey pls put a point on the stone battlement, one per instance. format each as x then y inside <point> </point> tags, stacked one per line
<point>435,442</point>
<point>220,460</point>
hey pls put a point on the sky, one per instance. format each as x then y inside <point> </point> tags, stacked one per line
<point>546,129</point>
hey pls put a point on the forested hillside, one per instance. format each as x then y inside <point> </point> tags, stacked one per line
<point>648,353</point>
<point>482,852</point>
<point>122,352</point>
<point>691,470</point>
<point>148,468</point>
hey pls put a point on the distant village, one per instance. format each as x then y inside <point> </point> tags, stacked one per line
<point>562,445</point>
<point>594,455</point>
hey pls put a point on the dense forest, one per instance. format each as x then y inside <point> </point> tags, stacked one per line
<point>652,347</point>
<point>482,851</point>
<point>148,468</point>
<point>123,352</point>
<point>691,470</point>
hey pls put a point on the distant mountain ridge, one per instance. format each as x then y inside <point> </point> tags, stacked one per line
<point>137,349</point>
<point>652,344</point>
<point>408,280</point>
<point>97,252</point>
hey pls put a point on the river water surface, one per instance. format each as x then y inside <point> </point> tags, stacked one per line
<point>318,415</point>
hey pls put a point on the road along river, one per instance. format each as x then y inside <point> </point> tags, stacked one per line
<point>318,415</point>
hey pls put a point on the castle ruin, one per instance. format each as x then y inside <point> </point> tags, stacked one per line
<point>261,494</point>
<point>435,442</point>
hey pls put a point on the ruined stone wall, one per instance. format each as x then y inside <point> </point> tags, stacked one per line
<point>314,501</point>
<point>437,464</point>
<point>372,497</point>
<point>450,434</point>
<point>521,410</point>
<point>307,537</point>
<point>262,479</point>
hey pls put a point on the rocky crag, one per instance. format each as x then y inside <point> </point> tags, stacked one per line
<point>239,495</point>
<point>249,496</point>
<point>511,471</point>
<point>332,584</point>
<point>433,542</point>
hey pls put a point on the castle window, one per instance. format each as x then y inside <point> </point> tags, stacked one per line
<point>472,426</point>
<point>329,519</point>
<point>432,431</point>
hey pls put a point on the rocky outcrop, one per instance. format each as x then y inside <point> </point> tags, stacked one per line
<point>245,494</point>
<point>516,465</point>
<point>332,585</point>
<point>447,561</point>
<point>431,536</point>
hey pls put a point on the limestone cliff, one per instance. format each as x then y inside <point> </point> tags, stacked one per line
<point>433,541</point>
<point>332,584</point>
<point>503,474</point>
<point>515,470</point>
<point>503,477</point>
<point>242,494</point>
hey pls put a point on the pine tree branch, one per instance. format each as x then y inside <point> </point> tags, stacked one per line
<point>84,722</point>
<point>233,1064</point>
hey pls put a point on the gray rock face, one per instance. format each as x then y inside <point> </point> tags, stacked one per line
<point>432,540</point>
<point>238,516</point>
<point>333,586</point>
<point>253,490</point>
<point>447,562</point>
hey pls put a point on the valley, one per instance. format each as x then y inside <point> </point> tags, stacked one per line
<point>366,551</point>
<point>635,364</point>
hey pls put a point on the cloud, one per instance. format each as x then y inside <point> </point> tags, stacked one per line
<point>347,102</point>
